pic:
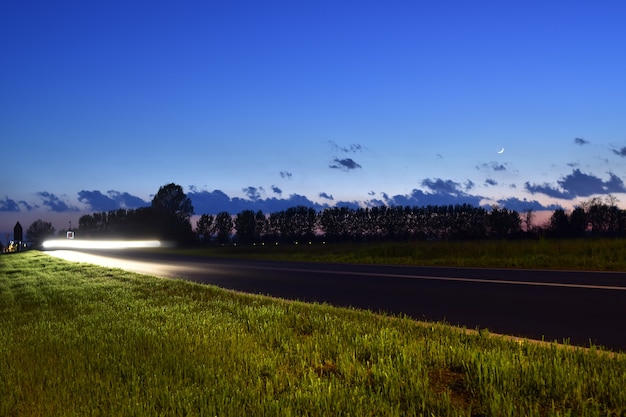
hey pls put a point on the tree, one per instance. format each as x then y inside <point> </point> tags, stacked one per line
<point>260,224</point>
<point>559,223</point>
<point>172,210</point>
<point>504,223</point>
<point>578,222</point>
<point>39,231</point>
<point>223,226</point>
<point>528,220</point>
<point>245,224</point>
<point>205,227</point>
<point>172,202</point>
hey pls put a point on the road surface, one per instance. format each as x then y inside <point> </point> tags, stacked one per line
<point>581,307</point>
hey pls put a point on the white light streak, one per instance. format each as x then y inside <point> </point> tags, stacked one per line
<point>99,244</point>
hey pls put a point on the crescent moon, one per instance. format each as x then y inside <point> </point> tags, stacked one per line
<point>501,151</point>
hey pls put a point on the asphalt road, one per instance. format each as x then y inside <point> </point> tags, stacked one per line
<point>582,307</point>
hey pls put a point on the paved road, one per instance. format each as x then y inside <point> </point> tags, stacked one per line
<point>583,307</point>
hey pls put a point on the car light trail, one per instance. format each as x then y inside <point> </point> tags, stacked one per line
<point>99,244</point>
<point>160,269</point>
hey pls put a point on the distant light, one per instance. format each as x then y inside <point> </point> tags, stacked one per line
<point>100,244</point>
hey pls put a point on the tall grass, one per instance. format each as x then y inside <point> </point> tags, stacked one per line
<point>80,340</point>
<point>588,254</point>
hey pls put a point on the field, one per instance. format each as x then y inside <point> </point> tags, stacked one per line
<point>80,340</point>
<point>580,254</point>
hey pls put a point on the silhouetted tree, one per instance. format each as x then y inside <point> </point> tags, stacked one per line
<point>335,223</point>
<point>300,223</point>
<point>578,222</point>
<point>260,224</point>
<point>504,223</point>
<point>39,231</point>
<point>223,227</point>
<point>205,228</point>
<point>559,224</point>
<point>245,226</point>
<point>172,210</point>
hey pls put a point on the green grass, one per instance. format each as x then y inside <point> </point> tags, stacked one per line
<point>81,340</point>
<point>587,254</point>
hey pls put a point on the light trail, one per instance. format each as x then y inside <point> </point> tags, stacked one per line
<point>147,268</point>
<point>99,244</point>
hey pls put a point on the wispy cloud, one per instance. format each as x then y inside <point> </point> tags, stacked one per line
<point>620,152</point>
<point>9,205</point>
<point>346,164</point>
<point>581,141</point>
<point>492,166</point>
<point>277,190</point>
<point>326,196</point>
<point>490,181</point>
<point>54,203</point>
<point>286,174</point>
<point>352,148</point>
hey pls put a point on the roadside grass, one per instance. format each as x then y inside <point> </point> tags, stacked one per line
<point>581,254</point>
<point>82,340</point>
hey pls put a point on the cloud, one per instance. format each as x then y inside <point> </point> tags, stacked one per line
<point>112,201</point>
<point>205,202</point>
<point>344,164</point>
<point>9,205</point>
<point>579,184</point>
<point>490,181</point>
<point>524,205</point>
<point>581,141</point>
<point>547,189</point>
<point>277,190</point>
<point>326,196</point>
<point>253,193</point>
<point>216,201</point>
<point>354,205</point>
<point>620,152</point>
<point>286,174</point>
<point>353,148</point>
<point>127,200</point>
<point>440,186</point>
<point>442,192</point>
<point>492,166</point>
<point>54,203</point>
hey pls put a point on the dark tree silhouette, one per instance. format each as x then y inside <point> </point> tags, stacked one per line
<point>205,228</point>
<point>39,231</point>
<point>559,224</point>
<point>245,226</point>
<point>172,210</point>
<point>504,223</point>
<point>578,222</point>
<point>223,227</point>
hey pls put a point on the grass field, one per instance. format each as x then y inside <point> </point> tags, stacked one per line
<point>581,254</point>
<point>80,340</point>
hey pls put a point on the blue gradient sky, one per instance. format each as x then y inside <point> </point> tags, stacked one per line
<point>264,104</point>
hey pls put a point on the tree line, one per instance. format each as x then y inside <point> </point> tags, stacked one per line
<point>168,218</point>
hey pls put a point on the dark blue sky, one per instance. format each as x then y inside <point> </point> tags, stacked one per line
<point>268,104</point>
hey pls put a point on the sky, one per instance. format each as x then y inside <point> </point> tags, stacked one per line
<point>268,105</point>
